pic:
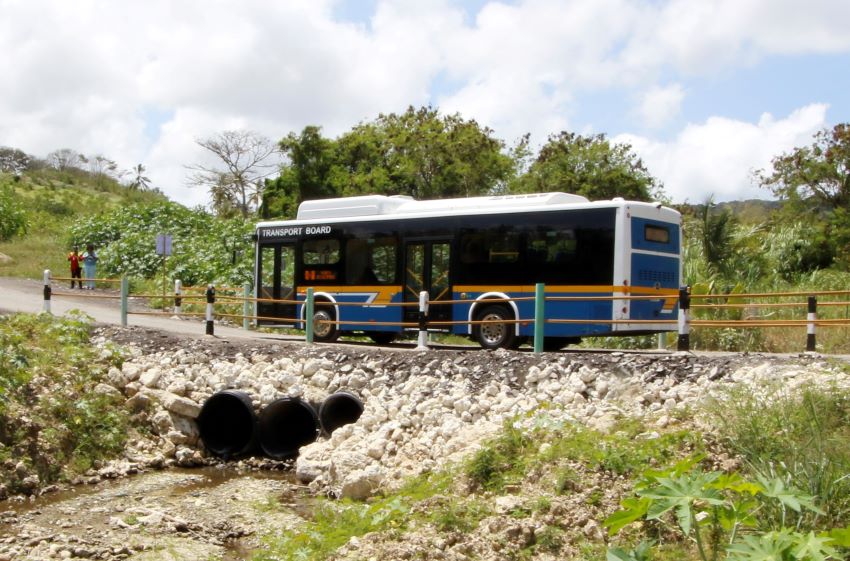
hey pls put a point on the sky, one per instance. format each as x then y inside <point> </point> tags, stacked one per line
<point>705,91</point>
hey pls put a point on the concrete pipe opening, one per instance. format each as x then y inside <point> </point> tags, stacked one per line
<point>227,424</point>
<point>338,409</point>
<point>287,424</point>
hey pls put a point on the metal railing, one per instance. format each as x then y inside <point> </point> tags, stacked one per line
<point>210,296</point>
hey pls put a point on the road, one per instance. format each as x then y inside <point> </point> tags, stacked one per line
<point>26,295</point>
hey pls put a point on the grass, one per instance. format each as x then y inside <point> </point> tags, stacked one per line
<point>801,438</point>
<point>50,417</point>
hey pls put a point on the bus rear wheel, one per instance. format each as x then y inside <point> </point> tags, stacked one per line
<point>324,330</point>
<point>495,335</point>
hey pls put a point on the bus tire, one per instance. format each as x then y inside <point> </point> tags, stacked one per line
<point>323,330</point>
<point>382,337</point>
<point>494,335</point>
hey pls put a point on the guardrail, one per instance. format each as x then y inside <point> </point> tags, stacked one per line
<point>210,296</point>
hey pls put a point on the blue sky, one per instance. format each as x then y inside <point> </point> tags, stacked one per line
<point>704,92</point>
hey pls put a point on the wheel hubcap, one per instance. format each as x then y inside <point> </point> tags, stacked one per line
<point>321,324</point>
<point>493,333</point>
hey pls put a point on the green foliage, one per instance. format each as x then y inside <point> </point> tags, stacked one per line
<point>501,460</point>
<point>719,513</point>
<point>205,249</point>
<point>590,166</point>
<point>50,417</point>
<point>13,220</point>
<point>801,440</point>
<point>418,153</point>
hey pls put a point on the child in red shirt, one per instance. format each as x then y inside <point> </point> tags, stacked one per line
<point>75,258</point>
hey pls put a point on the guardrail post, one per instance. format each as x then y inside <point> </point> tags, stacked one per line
<point>178,301</point>
<point>125,291</point>
<point>210,303</point>
<point>47,291</point>
<point>308,315</point>
<point>811,317</point>
<point>539,319</point>
<point>246,306</point>
<point>422,343</point>
<point>684,341</point>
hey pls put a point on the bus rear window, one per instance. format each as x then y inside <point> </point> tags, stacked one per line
<point>657,234</point>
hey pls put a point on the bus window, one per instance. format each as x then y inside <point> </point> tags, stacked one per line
<point>320,252</point>
<point>371,261</point>
<point>267,272</point>
<point>551,246</point>
<point>489,246</point>
<point>655,233</point>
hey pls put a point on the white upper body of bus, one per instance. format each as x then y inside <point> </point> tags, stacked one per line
<point>382,207</point>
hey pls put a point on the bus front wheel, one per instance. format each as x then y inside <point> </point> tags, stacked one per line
<point>324,330</point>
<point>494,335</point>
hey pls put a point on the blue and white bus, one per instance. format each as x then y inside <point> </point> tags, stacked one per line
<point>478,253</point>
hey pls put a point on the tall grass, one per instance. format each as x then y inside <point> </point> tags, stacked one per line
<point>803,438</point>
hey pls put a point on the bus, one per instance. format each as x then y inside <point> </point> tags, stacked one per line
<point>602,264</point>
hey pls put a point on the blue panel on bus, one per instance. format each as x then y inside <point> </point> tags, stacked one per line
<point>654,235</point>
<point>654,271</point>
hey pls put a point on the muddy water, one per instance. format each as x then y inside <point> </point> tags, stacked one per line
<point>173,515</point>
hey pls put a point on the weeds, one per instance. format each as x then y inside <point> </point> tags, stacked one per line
<point>802,440</point>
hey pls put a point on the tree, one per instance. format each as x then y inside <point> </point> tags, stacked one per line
<point>815,180</point>
<point>425,155</point>
<point>247,158</point>
<point>590,166</point>
<point>140,182</point>
<point>65,159</point>
<point>818,174</point>
<point>13,160</point>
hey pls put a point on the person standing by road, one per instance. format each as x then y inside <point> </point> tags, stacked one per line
<point>90,265</point>
<point>75,259</point>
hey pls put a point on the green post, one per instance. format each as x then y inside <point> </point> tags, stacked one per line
<point>246,306</point>
<point>125,291</point>
<point>309,315</point>
<point>539,320</point>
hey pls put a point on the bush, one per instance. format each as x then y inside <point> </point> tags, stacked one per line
<point>13,219</point>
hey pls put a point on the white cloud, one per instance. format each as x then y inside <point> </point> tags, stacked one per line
<point>659,104</point>
<point>719,156</point>
<point>86,75</point>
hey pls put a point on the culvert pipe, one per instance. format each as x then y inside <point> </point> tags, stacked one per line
<point>227,424</point>
<point>338,409</point>
<point>285,425</point>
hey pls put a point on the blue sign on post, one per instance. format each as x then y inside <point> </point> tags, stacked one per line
<point>163,244</point>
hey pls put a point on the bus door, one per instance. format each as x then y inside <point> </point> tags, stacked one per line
<point>276,281</point>
<point>426,267</point>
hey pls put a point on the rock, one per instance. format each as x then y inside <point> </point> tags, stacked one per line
<point>150,378</point>
<point>361,484</point>
<point>180,405</point>
<point>106,389</point>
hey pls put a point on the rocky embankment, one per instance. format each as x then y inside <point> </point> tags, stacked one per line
<point>421,409</point>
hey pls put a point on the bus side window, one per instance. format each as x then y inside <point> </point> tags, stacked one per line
<point>321,251</point>
<point>370,261</point>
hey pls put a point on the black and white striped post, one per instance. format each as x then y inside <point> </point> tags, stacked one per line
<point>47,291</point>
<point>422,343</point>
<point>684,341</point>
<point>210,303</point>
<point>811,318</point>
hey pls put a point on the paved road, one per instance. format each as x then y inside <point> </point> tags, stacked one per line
<point>25,295</point>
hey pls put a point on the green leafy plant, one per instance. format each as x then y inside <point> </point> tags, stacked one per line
<point>720,512</point>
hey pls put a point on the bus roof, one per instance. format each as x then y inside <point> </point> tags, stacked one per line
<point>402,206</point>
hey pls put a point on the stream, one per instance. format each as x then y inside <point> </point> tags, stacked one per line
<point>214,512</point>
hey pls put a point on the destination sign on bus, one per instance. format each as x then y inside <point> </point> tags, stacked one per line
<point>295,231</point>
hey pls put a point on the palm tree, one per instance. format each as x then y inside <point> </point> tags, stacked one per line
<point>140,182</point>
